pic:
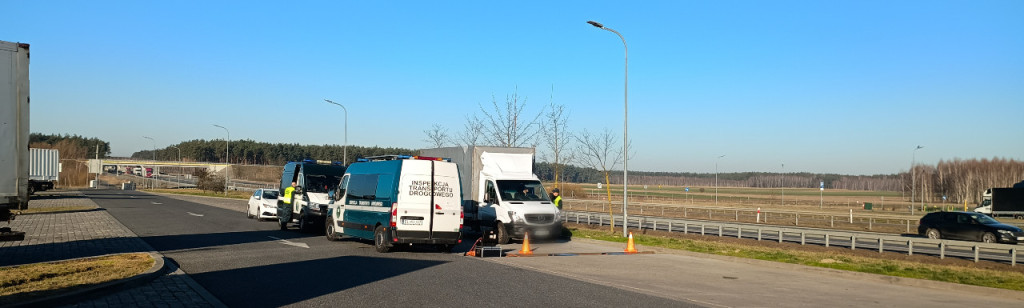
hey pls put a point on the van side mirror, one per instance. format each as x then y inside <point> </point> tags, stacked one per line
<point>338,194</point>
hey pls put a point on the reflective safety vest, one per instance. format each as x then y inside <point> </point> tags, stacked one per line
<point>558,201</point>
<point>288,194</point>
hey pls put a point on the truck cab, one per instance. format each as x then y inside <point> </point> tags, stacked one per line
<point>315,181</point>
<point>517,206</point>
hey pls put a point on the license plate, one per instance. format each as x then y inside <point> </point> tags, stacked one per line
<point>541,232</point>
<point>416,222</point>
<point>1020,238</point>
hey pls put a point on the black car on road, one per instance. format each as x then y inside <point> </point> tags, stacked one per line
<point>968,226</point>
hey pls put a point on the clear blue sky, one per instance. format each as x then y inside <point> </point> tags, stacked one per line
<point>822,86</point>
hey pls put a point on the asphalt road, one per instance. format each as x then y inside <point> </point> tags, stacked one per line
<point>246,263</point>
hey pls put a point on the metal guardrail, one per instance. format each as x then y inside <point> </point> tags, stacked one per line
<point>804,236</point>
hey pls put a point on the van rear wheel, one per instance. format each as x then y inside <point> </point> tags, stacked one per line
<point>380,240</point>
<point>502,234</point>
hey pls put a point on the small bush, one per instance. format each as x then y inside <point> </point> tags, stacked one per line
<point>207,181</point>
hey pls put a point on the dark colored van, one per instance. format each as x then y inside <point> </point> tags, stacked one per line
<point>968,226</point>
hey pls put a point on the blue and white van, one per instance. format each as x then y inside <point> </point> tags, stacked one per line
<point>398,200</point>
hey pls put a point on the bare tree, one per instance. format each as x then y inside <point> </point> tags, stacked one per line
<point>600,152</point>
<point>472,132</point>
<point>437,136</point>
<point>557,136</point>
<point>507,126</point>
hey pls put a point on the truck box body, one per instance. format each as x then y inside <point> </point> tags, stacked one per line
<point>1007,200</point>
<point>14,128</point>
<point>471,167</point>
<point>43,165</point>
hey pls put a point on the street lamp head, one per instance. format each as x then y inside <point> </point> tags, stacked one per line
<point>595,24</point>
<point>919,147</point>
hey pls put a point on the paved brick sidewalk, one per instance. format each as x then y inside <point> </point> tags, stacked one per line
<point>61,236</point>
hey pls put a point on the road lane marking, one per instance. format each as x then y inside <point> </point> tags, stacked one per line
<point>154,202</point>
<point>290,243</point>
<point>194,214</point>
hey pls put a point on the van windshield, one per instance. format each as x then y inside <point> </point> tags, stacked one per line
<point>522,190</point>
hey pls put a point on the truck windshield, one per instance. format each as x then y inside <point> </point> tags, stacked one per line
<point>321,178</point>
<point>522,190</point>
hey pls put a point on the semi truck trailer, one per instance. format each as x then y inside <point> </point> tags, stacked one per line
<point>14,131</point>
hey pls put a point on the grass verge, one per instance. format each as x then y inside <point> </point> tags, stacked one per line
<point>196,192</point>
<point>56,209</point>
<point>1010,280</point>
<point>25,282</point>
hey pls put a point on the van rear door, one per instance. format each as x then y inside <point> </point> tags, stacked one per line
<point>447,201</point>
<point>429,199</point>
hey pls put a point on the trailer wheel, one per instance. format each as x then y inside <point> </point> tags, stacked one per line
<point>988,237</point>
<point>380,240</point>
<point>503,237</point>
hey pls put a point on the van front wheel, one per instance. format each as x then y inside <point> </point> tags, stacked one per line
<point>502,233</point>
<point>380,240</point>
<point>329,231</point>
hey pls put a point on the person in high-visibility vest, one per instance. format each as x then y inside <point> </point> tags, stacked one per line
<point>557,198</point>
<point>288,194</point>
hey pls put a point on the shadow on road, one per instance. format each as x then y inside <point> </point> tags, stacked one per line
<point>291,283</point>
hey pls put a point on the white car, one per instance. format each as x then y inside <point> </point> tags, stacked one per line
<point>262,204</point>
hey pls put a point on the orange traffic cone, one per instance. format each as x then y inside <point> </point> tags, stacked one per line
<point>630,248</point>
<point>526,245</point>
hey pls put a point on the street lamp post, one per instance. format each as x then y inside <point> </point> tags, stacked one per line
<point>913,157</point>
<point>716,179</point>
<point>783,185</point>
<point>176,182</point>
<point>154,146</point>
<point>227,158</point>
<point>344,150</point>
<point>625,127</point>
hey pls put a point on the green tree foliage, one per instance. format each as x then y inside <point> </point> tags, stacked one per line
<point>249,152</point>
<point>84,147</point>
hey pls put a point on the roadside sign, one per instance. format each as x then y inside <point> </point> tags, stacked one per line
<point>645,187</point>
<point>943,197</point>
<point>687,189</point>
<point>822,185</point>
<point>598,185</point>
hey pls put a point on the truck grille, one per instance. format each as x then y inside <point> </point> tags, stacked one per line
<point>540,218</point>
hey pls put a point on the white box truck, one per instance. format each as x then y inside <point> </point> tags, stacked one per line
<point>501,192</point>
<point>14,131</point>
<point>43,169</point>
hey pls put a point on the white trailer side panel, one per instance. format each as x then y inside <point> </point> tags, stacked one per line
<point>14,128</point>
<point>43,165</point>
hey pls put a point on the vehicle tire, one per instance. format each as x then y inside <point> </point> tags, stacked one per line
<point>380,240</point>
<point>248,212</point>
<point>502,233</point>
<point>989,237</point>
<point>933,234</point>
<point>303,224</point>
<point>329,231</point>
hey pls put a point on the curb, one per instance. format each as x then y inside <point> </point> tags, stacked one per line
<point>158,269</point>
